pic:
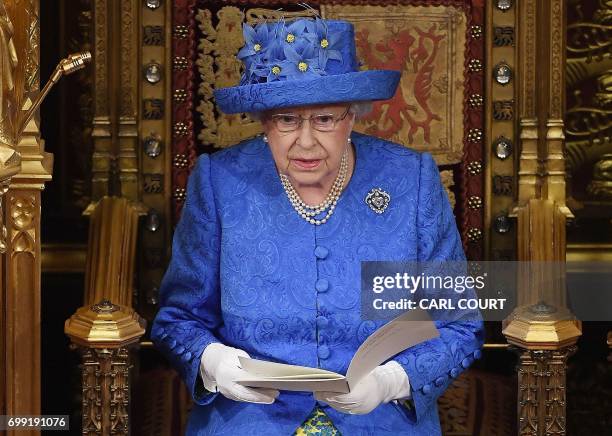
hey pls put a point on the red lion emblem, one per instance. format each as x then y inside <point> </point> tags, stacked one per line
<point>398,53</point>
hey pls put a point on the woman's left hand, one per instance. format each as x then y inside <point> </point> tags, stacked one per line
<point>385,383</point>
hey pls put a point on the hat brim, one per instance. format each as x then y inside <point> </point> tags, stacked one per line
<point>337,88</point>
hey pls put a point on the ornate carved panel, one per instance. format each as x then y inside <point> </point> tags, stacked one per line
<point>105,381</point>
<point>22,293</point>
<point>589,109</point>
<point>541,381</point>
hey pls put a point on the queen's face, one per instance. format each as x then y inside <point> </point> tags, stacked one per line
<point>310,157</point>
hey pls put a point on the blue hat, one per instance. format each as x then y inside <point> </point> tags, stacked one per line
<point>303,62</point>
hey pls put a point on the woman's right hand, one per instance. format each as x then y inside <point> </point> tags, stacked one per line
<point>219,367</point>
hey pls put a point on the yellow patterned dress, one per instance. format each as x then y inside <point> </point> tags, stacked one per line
<point>319,424</point>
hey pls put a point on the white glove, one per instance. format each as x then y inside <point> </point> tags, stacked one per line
<point>219,367</point>
<point>385,383</point>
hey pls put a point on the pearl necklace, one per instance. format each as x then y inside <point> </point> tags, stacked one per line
<point>329,204</point>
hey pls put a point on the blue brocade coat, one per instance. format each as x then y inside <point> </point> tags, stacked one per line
<point>247,271</point>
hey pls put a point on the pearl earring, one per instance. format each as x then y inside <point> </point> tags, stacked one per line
<point>348,140</point>
<point>265,139</point>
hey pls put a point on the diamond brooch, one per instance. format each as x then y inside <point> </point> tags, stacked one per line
<point>378,200</point>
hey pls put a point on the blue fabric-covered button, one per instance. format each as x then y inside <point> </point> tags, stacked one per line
<point>322,322</point>
<point>323,352</point>
<point>465,362</point>
<point>172,344</point>
<point>477,354</point>
<point>179,349</point>
<point>187,356</point>
<point>454,372</point>
<point>440,381</point>
<point>322,285</point>
<point>321,252</point>
<point>426,389</point>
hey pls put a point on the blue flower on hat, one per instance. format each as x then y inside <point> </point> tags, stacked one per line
<point>327,43</point>
<point>294,32</point>
<point>271,72</point>
<point>302,62</point>
<point>255,41</point>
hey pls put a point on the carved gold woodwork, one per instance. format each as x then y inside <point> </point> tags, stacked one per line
<point>589,117</point>
<point>24,159</point>
<point>542,327</point>
<point>103,333</point>
<point>601,184</point>
<point>541,395</point>
<point>30,167</point>
<point>105,371</point>
<point>21,241</point>
<point>543,331</point>
<point>36,164</point>
<point>113,229</point>
<point>9,103</point>
<point>10,159</point>
<point>104,325</point>
<point>544,336</point>
<point>115,128</point>
<point>21,293</point>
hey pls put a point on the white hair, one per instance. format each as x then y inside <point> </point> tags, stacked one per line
<point>361,108</point>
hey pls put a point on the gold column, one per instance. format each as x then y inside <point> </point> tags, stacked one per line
<point>103,334</point>
<point>21,262</point>
<point>541,329</point>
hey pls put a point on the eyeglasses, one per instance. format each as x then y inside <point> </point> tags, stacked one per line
<point>321,122</point>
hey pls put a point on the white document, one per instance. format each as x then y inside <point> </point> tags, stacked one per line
<point>405,331</point>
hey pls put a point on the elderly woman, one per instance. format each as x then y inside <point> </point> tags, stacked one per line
<point>266,257</point>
